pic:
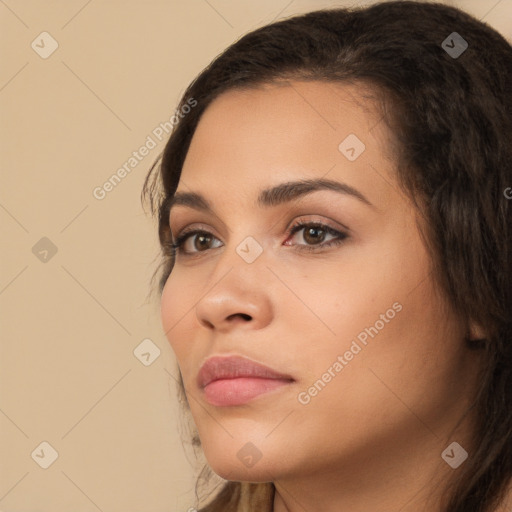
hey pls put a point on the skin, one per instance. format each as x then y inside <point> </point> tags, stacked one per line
<point>372,438</point>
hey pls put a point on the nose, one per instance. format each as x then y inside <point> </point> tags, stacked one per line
<point>238,299</point>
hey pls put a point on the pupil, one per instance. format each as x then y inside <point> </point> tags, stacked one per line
<point>200,241</point>
<point>311,232</point>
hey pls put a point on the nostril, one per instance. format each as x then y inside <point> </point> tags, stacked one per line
<point>207,324</point>
<point>242,315</point>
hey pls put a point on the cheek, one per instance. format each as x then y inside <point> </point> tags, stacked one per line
<point>350,294</point>
<point>376,295</point>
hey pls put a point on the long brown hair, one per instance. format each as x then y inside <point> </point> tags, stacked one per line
<point>450,116</point>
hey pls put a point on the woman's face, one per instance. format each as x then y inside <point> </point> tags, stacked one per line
<point>344,307</point>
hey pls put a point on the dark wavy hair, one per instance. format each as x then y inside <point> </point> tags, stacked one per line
<point>450,119</point>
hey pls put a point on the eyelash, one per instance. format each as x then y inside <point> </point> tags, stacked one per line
<point>177,247</point>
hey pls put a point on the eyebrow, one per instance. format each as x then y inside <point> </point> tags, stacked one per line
<point>282,193</point>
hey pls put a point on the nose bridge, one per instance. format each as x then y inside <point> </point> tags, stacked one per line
<point>244,254</point>
<point>237,288</point>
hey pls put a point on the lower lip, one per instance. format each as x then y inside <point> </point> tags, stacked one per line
<point>226,392</point>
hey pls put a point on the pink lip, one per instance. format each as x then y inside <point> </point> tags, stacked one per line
<point>235,380</point>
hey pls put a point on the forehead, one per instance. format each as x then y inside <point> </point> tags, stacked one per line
<point>259,137</point>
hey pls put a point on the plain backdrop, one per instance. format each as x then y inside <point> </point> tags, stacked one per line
<point>85,367</point>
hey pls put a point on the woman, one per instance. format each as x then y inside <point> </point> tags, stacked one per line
<point>337,278</point>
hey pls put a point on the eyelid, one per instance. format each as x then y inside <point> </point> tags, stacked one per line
<point>192,228</point>
<point>325,220</point>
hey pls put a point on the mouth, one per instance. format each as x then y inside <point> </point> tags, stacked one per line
<point>236,380</point>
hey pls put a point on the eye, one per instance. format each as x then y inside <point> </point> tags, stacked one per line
<point>314,234</point>
<point>193,242</point>
<point>196,239</point>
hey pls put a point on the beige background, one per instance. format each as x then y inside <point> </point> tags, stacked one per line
<point>70,324</point>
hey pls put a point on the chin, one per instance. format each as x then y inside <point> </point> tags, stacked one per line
<point>244,464</point>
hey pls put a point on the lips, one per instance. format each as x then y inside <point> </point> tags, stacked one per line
<point>234,367</point>
<point>235,380</point>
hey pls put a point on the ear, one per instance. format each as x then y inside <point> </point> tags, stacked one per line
<point>476,336</point>
<point>476,332</point>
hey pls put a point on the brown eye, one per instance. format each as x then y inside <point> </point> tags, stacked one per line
<point>201,241</point>
<point>193,242</point>
<point>314,235</point>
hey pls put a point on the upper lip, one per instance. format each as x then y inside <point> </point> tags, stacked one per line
<point>233,367</point>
